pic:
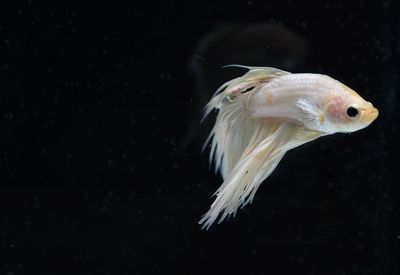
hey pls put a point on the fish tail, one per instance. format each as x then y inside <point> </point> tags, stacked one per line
<point>241,184</point>
<point>258,160</point>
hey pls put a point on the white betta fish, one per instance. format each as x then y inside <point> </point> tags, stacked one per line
<point>264,114</point>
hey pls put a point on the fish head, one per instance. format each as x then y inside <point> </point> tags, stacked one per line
<point>346,111</point>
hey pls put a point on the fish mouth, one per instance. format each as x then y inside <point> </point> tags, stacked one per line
<point>369,115</point>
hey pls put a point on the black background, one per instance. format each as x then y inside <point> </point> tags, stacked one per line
<point>94,99</point>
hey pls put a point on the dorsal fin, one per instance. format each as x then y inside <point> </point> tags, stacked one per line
<point>266,69</point>
<point>253,78</point>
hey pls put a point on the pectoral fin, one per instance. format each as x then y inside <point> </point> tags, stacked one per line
<point>311,112</point>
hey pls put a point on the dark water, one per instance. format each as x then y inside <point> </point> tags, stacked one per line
<point>100,167</point>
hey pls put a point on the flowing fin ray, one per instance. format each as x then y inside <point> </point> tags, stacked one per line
<point>257,162</point>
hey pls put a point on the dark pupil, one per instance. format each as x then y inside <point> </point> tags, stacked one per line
<point>352,112</point>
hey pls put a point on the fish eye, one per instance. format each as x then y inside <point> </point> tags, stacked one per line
<point>352,112</point>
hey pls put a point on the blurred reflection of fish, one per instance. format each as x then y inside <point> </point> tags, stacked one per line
<point>265,113</point>
<point>229,43</point>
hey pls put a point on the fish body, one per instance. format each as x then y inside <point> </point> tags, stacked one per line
<point>314,100</point>
<point>265,113</point>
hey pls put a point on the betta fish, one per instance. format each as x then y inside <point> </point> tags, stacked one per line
<point>265,113</point>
